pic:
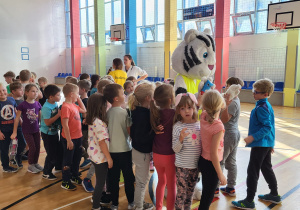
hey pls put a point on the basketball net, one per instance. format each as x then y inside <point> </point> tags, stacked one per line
<point>278,27</point>
<point>114,39</point>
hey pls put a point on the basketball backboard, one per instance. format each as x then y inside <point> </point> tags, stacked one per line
<point>287,12</point>
<point>118,31</point>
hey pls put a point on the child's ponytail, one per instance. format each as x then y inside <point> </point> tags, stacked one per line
<point>154,116</point>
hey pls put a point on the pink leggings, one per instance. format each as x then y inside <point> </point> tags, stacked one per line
<point>165,167</point>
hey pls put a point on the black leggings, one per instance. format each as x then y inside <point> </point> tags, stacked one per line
<point>209,182</point>
<point>101,173</point>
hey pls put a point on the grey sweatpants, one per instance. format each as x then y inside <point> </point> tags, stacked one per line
<point>142,176</point>
<point>231,141</point>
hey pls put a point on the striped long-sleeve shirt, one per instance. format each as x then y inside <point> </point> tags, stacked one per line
<point>188,152</point>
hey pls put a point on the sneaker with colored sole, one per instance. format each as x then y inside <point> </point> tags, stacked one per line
<point>87,185</point>
<point>217,192</point>
<point>271,198</point>
<point>68,185</point>
<point>85,163</point>
<point>243,204</point>
<point>10,170</point>
<point>76,180</point>
<point>228,191</point>
<point>49,176</point>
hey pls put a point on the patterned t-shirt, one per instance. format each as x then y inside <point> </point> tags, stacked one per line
<point>30,116</point>
<point>97,132</point>
<point>188,152</point>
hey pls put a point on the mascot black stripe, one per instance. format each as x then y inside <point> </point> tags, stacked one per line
<point>189,60</point>
<point>194,56</point>
<point>204,39</point>
<point>212,42</point>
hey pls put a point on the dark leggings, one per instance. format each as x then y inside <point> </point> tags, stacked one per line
<point>33,141</point>
<point>209,181</point>
<point>101,173</point>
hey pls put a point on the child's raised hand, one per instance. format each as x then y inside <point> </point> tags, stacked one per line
<point>183,134</point>
<point>222,179</point>
<point>160,128</point>
<point>249,140</point>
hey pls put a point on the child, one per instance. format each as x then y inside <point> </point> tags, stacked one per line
<point>212,132</point>
<point>119,145</point>
<point>261,139</point>
<point>84,87</point>
<point>109,77</point>
<point>132,79</point>
<point>84,76</point>
<point>230,118</point>
<point>25,77</point>
<point>98,141</point>
<point>31,113</point>
<point>163,154</point>
<point>142,140</point>
<point>101,84</point>
<point>118,74</point>
<point>7,109</point>
<point>128,87</point>
<point>95,80</point>
<point>187,147</point>
<point>17,92</point>
<point>9,78</point>
<point>72,80</point>
<point>42,83</point>
<point>71,136</point>
<point>49,129</point>
<point>33,77</point>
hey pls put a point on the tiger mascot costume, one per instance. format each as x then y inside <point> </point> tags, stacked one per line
<point>194,60</point>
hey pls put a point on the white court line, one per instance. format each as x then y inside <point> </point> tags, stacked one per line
<point>78,201</point>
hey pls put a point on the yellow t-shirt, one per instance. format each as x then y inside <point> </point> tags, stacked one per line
<point>119,76</point>
<point>190,84</point>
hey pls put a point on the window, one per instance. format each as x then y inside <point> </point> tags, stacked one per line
<point>87,23</point>
<point>68,23</point>
<point>114,14</point>
<point>150,20</point>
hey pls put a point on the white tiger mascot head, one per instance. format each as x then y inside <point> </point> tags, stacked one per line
<point>194,57</point>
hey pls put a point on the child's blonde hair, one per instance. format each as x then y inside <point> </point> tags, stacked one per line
<point>212,102</point>
<point>70,79</point>
<point>33,75</point>
<point>162,96</point>
<point>185,100</point>
<point>264,85</point>
<point>109,77</point>
<point>69,88</point>
<point>43,79</point>
<point>139,95</point>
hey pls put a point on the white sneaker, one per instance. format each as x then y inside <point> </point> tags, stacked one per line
<point>39,167</point>
<point>112,207</point>
<point>131,205</point>
<point>33,169</point>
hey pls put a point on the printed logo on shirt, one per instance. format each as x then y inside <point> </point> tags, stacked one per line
<point>7,112</point>
<point>120,77</point>
<point>31,115</point>
<point>77,116</point>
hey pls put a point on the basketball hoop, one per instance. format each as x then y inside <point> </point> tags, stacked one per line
<point>278,27</point>
<point>114,39</point>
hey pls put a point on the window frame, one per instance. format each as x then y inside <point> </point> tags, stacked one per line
<point>88,32</point>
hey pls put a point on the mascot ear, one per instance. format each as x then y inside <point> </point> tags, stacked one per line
<point>190,35</point>
<point>207,31</point>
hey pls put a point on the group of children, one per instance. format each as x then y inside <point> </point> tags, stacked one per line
<point>118,125</point>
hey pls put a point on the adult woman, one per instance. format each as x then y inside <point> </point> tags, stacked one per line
<point>132,70</point>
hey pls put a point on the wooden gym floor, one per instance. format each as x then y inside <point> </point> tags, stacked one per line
<point>24,190</point>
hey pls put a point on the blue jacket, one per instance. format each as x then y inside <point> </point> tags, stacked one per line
<point>262,125</point>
